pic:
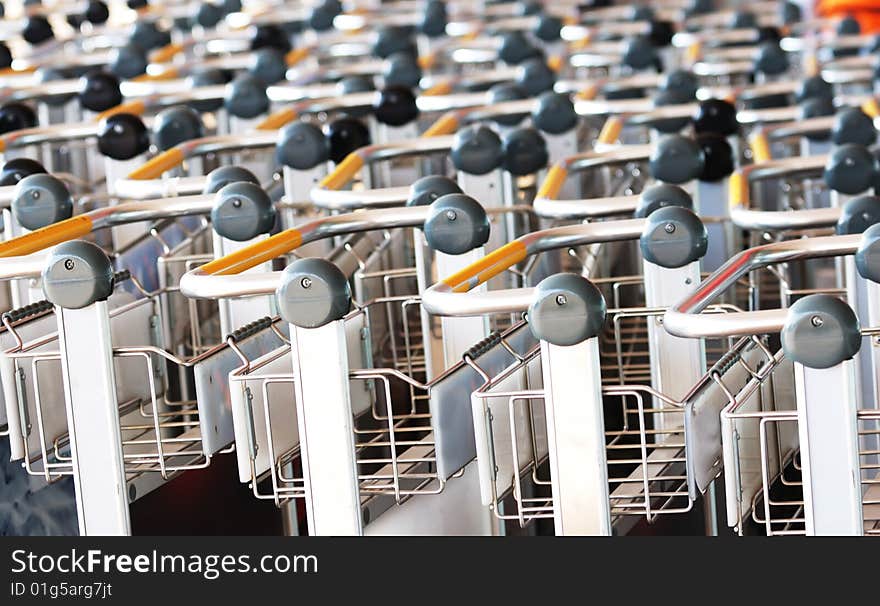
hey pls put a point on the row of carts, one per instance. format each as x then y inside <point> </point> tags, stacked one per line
<point>426,267</point>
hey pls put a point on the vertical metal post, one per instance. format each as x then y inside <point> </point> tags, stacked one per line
<point>711,201</point>
<point>828,432</point>
<point>93,418</point>
<point>326,432</point>
<point>235,313</point>
<point>576,438</point>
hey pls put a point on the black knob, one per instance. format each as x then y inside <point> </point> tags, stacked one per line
<point>97,12</point>
<point>16,116</point>
<point>529,7</point>
<point>123,137</point>
<point>525,151</point>
<point>270,35</point>
<point>670,97</point>
<point>433,24</point>
<point>17,169</point>
<point>660,33</point>
<point>321,18</point>
<point>136,4</point>
<point>427,189</point>
<point>208,15</point>
<point>37,30</point>
<point>858,214</point>
<point>676,159</point>
<point>99,91</point>
<point>346,135</point>
<point>850,169</point>
<point>789,13</point>
<point>716,116</point>
<point>395,106</point>
<point>852,125</point>
<point>507,91</point>
<point>5,56</point>
<point>554,113</point>
<point>718,157</point>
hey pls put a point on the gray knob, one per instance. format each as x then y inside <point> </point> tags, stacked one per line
<point>393,39</point>
<point>242,211</point>
<point>821,331</point>
<point>661,196</point>
<point>219,178</point>
<point>554,113</point>
<point>567,310</point>
<point>848,26</point>
<point>507,91</point>
<point>427,189</point>
<point>852,125</point>
<point>789,13</point>
<point>535,76</point>
<point>673,237</point>
<point>683,81</point>
<point>208,15</point>
<point>771,59</point>
<point>858,214</point>
<point>246,97</point>
<point>176,125</point>
<point>642,13</point>
<point>676,159</point>
<point>476,150</point>
<point>868,254</point>
<point>814,86</point>
<point>40,200</point>
<point>268,65</point>
<point>78,274</point>
<point>402,69</point>
<point>814,107</point>
<point>456,224</point>
<point>525,151</point>
<point>313,292</point>
<point>850,169</point>
<point>743,20</point>
<point>548,28</point>
<point>639,53</point>
<point>671,97</point>
<point>302,146</point>
<point>516,48</point>
<point>433,23</point>
<point>129,61</point>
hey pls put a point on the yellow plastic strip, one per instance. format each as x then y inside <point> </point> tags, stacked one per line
<point>154,167</point>
<point>255,254</point>
<point>487,268</point>
<point>8,71</point>
<point>168,74</point>
<point>427,61</point>
<point>445,125</point>
<point>760,147</point>
<point>441,88</point>
<point>166,53</point>
<point>296,55</point>
<point>581,44</point>
<point>278,119</point>
<point>132,107</point>
<point>871,107</point>
<point>553,182</point>
<point>556,63</point>
<point>45,237</point>
<point>588,93</point>
<point>738,193</point>
<point>343,173</point>
<point>694,52</point>
<point>611,130</point>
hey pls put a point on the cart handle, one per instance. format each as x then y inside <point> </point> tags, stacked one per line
<point>220,278</point>
<point>685,320</point>
<point>82,225</point>
<point>447,297</point>
<point>740,181</point>
<point>558,173</point>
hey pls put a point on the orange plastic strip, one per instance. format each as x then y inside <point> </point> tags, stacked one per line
<point>343,173</point>
<point>45,237</point>
<point>445,125</point>
<point>278,119</point>
<point>168,74</point>
<point>738,193</point>
<point>553,182</point>
<point>154,167</point>
<point>610,130</point>
<point>255,254</point>
<point>132,107</point>
<point>487,268</point>
<point>166,53</point>
<point>760,147</point>
<point>296,55</point>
